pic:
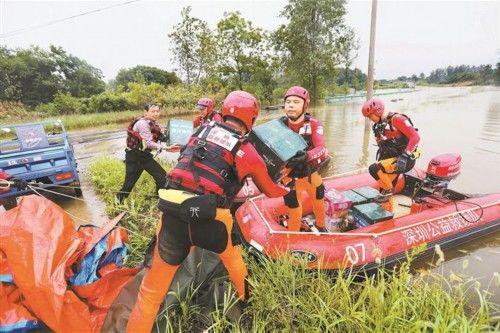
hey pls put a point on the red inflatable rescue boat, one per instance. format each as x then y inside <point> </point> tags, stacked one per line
<point>425,212</point>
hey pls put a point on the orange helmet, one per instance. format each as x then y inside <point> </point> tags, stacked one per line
<point>373,106</point>
<point>205,102</point>
<point>242,106</point>
<point>299,92</point>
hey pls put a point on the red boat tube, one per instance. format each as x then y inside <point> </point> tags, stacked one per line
<point>445,219</point>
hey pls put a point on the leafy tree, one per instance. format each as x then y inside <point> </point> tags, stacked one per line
<point>240,50</point>
<point>81,79</point>
<point>314,41</point>
<point>34,76</point>
<point>497,74</point>
<point>193,47</point>
<point>146,75</point>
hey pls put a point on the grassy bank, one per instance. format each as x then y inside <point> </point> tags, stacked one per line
<point>289,298</point>
<point>82,121</point>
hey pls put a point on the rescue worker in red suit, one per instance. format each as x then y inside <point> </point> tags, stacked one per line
<point>305,164</point>
<point>397,140</point>
<point>195,205</point>
<point>207,113</point>
<point>143,136</point>
<point>6,183</point>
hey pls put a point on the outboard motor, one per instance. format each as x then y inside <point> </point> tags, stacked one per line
<point>441,170</point>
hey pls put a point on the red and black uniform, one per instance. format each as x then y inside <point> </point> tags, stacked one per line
<point>306,176</point>
<point>203,121</point>
<point>138,155</point>
<point>211,170</point>
<point>397,138</point>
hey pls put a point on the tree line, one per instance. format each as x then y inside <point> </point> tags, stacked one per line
<point>314,48</point>
<point>473,75</point>
<point>311,48</point>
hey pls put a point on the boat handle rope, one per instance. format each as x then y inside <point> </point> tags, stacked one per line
<point>372,234</point>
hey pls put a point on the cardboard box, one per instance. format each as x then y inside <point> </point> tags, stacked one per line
<point>179,131</point>
<point>336,204</point>
<point>277,144</point>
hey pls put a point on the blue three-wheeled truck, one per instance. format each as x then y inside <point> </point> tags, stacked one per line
<point>38,153</point>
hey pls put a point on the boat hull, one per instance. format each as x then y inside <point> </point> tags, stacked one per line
<point>383,243</point>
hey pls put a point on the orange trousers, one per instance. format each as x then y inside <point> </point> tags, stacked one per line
<point>158,278</point>
<point>318,202</point>
<point>387,173</point>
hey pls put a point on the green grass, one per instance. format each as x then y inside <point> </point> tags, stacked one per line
<point>142,215</point>
<point>93,120</point>
<point>286,297</point>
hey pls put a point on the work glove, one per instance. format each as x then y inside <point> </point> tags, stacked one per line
<point>299,158</point>
<point>401,162</point>
<point>20,184</point>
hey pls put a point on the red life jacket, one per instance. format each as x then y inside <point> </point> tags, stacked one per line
<point>391,141</point>
<point>206,163</point>
<point>306,131</point>
<point>134,139</point>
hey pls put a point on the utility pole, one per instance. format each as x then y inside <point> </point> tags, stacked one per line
<point>371,57</point>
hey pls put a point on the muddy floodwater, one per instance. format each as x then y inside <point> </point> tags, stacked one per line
<point>464,120</point>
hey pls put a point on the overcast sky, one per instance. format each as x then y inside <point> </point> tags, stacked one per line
<point>412,36</point>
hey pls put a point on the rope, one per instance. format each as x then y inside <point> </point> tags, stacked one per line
<point>84,220</point>
<point>57,193</point>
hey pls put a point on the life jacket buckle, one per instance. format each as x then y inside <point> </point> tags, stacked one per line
<point>200,152</point>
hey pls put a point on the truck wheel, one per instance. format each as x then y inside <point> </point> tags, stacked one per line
<point>78,192</point>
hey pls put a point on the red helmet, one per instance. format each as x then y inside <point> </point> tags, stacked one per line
<point>208,103</point>
<point>299,92</point>
<point>242,106</point>
<point>373,106</point>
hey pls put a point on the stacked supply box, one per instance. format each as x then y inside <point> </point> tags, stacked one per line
<point>277,144</point>
<point>336,204</point>
<point>370,213</point>
<point>179,131</point>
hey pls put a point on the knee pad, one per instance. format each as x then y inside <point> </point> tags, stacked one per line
<point>210,235</point>
<point>291,199</point>
<point>374,169</point>
<point>320,192</point>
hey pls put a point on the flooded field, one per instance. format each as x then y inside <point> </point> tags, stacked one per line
<point>463,120</point>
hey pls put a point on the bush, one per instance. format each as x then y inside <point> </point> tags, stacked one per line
<point>63,103</point>
<point>106,102</point>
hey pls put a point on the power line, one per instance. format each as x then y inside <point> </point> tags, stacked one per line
<point>22,30</point>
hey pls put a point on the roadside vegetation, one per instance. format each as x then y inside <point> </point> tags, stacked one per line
<point>286,297</point>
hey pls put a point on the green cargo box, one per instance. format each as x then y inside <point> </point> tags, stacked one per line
<point>354,197</point>
<point>367,191</point>
<point>179,131</point>
<point>277,144</point>
<point>373,212</point>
